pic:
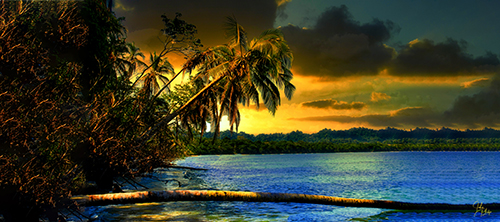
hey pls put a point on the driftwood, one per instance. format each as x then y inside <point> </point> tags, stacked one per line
<point>211,195</point>
<point>183,167</point>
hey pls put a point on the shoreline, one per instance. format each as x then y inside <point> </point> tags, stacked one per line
<point>389,151</point>
<point>243,147</point>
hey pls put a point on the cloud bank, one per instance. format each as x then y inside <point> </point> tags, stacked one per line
<point>475,111</point>
<point>334,104</point>
<point>339,46</point>
<point>449,58</point>
<point>406,117</point>
<point>481,109</point>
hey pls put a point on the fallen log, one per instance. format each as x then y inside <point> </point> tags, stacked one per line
<point>212,195</point>
<point>183,167</point>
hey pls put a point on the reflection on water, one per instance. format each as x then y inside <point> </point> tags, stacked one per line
<point>433,177</point>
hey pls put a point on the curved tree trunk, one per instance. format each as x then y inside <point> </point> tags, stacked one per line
<point>166,119</point>
<point>211,195</point>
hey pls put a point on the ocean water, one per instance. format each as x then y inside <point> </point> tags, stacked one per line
<point>424,177</point>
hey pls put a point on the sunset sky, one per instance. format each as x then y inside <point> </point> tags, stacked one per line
<point>363,63</point>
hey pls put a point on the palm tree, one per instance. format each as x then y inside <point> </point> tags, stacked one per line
<point>131,61</point>
<point>240,72</point>
<point>158,72</point>
<point>247,71</point>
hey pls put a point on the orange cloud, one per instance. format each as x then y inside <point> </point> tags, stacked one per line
<point>282,2</point>
<point>376,96</point>
<point>409,111</point>
<point>413,42</point>
<point>477,82</point>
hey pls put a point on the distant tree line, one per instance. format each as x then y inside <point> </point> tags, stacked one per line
<point>364,134</point>
<point>352,140</point>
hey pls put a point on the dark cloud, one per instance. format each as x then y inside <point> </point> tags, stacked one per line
<point>481,109</point>
<point>208,16</point>
<point>340,46</point>
<point>407,117</point>
<point>280,12</point>
<point>426,58</point>
<point>334,104</point>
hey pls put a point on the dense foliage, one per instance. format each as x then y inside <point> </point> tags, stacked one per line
<point>365,135</point>
<point>352,140</point>
<point>68,110</point>
<point>79,104</point>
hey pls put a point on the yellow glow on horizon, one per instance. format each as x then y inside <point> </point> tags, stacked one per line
<point>256,122</point>
<point>289,116</point>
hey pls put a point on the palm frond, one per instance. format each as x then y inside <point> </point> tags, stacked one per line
<point>236,33</point>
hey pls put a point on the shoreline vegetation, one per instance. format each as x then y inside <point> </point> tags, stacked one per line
<point>353,140</point>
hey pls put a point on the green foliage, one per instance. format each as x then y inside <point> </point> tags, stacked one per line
<point>245,146</point>
<point>367,135</point>
<point>352,140</point>
<point>68,112</point>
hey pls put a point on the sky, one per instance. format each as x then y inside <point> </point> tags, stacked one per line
<point>362,63</point>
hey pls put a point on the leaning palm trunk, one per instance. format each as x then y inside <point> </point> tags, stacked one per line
<point>211,195</point>
<point>166,119</point>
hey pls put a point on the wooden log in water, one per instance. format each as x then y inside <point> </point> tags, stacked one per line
<point>212,195</point>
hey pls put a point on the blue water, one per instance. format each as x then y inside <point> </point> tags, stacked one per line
<point>425,177</point>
